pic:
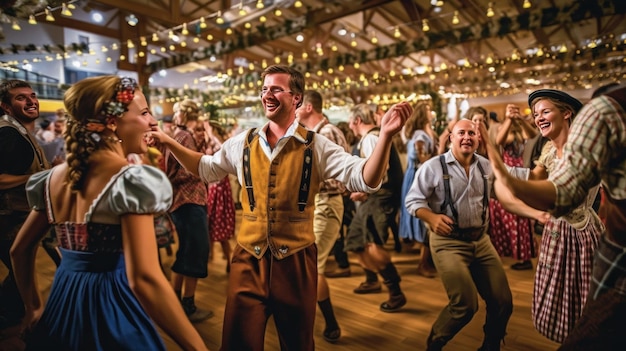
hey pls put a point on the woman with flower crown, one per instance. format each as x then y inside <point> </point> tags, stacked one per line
<point>108,292</point>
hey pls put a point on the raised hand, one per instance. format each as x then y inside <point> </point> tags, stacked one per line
<point>394,119</point>
<point>499,169</point>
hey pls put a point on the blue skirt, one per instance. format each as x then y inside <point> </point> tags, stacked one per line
<point>91,307</point>
<point>409,226</point>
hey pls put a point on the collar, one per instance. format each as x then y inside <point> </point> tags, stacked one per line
<point>321,124</point>
<point>293,130</point>
<point>449,158</point>
<point>19,126</point>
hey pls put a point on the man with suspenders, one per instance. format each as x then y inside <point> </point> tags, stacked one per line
<point>281,165</point>
<point>450,194</point>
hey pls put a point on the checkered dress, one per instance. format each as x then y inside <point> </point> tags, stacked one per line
<point>565,263</point>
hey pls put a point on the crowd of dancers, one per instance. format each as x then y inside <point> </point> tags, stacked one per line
<point>485,188</point>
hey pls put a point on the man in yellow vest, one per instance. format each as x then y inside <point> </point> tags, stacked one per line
<point>280,166</point>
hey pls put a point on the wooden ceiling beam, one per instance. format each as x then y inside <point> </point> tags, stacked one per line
<point>67,22</point>
<point>168,14</point>
<point>318,17</point>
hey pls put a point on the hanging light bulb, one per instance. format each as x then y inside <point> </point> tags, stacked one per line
<point>425,26</point>
<point>455,18</point>
<point>132,20</point>
<point>242,11</point>
<point>563,48</point>
<point>259,4</point>
<point>71,6</point>
<point>219,19</point>
<point>32,20</point>
<point>65,11</point>
<point>396,32</point>
<point>209,37</point>
<point>49,16</point>
<point>155,37</point>
<point>15,25</point>
<point>374,38</point>
<point>130,44</point>
<point>527,4</point>
<point>490,12</point>
<point>278,13</point>
<point>540,52</point>
<point>262,19</point>
<point>202,23</point>
<point>298,4</point>
<point>184,31</point>
<point>229,31</point>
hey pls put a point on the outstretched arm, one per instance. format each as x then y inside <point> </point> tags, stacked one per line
<point>391,123</point>
<point>539,194</point>
<point>8,181</point>
<point>150,285</point>
<point>23,254</point>
<point>188,158</point>
<point>516,206</point>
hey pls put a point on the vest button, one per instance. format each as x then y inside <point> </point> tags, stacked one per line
<point>283,249</point>
<point>257,250</point>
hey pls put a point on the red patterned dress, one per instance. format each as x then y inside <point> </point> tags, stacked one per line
<point>510,233</point>
<point>221,207</point>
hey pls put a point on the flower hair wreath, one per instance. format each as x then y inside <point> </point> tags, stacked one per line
<point>115,107</point>
<point>124,94</point>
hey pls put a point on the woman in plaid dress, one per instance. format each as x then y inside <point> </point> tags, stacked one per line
<point>568,243</point>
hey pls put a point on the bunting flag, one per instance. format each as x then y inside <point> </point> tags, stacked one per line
<point>576,11</point>
<point>43,49</point>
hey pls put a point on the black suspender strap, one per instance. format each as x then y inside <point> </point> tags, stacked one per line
<point>305,180</point>
<point>448,199</point>
<point>247,175</point>
<point>446,186</point>
<point>485,192</point>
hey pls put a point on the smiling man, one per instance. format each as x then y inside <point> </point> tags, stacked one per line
<point>281,166</point>
<point>451,194</point>
<point>20,157</point>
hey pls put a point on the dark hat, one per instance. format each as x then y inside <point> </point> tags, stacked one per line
<point>556,95</point>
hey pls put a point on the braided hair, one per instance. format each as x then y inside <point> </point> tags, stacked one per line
<point>90,104</point>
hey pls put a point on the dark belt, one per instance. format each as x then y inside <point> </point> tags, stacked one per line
<point>330,194</point>
<point>467,234</point>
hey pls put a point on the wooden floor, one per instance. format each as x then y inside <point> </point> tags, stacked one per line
<point>364,326</point>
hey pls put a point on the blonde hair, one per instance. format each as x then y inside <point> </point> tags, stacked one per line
<point>190,112</point>
<point>85,102</point>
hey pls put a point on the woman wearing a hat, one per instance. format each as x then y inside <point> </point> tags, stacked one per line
<point>568,242</point>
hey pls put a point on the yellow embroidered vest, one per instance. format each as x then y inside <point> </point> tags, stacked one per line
<point>276,221</point>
